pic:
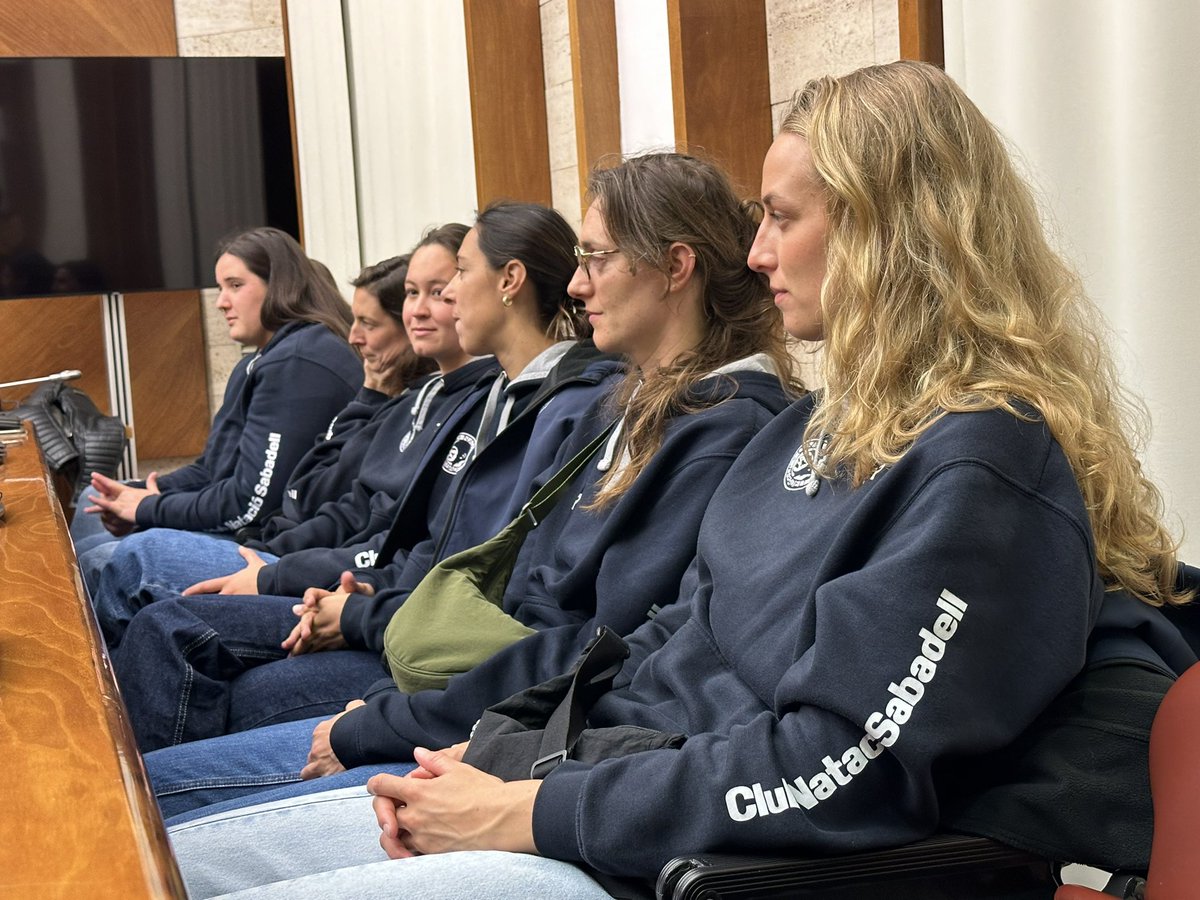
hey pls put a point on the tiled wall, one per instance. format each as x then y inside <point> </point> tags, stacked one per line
<point>560,110</point>
<point>229,27</point>
<point>809,38</point>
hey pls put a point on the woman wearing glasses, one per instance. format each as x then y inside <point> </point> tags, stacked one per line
<point>705,350</point>
<point>907,588</point>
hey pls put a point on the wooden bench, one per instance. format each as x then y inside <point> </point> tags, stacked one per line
<point>79,818</point>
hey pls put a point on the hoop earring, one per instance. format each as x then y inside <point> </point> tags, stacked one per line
<point>505,300</point>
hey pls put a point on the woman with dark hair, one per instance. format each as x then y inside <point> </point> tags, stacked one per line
<point>705,347</point>
<point>277,400</point>
<point>366,462</point>
<point>923,598</point>
<point>389,363</point>
<point>391,368</point>
<point>324,474</point>
<point>470,482</point>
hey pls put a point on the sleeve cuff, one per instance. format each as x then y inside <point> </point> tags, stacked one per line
<point>349,622</point>
<point>146,508</point>
<point>555,830</point>
<point>343,738</point>
<point>266,580</point>
<point>372,397</point>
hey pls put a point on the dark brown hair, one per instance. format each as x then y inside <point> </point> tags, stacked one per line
<point>542,241</point>
<point>296,289</point>
<point>385,282</point>
<point>649,203</point>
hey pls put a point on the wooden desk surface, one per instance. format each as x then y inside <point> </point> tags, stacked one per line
<point>77,816</point>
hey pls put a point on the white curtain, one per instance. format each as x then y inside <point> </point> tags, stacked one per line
<point>644,75</point>
<point>1101,100</point>
<point>383,124</point>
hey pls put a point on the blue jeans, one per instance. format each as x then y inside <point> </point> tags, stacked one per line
<point>238,770</point>
<point>156,564</point>
<point>93,554</point>
<point>327,845</point>
<point>93,544</point>
<point>188,669</point>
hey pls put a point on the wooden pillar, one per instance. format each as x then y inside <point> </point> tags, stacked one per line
<point>721,84</point>
<point>593,25</point>
<point>921,34</point>
<point>508,100</point>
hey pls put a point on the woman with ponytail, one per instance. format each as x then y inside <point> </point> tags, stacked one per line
<point>196,665</point>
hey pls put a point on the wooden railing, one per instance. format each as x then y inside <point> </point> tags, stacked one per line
<point>79,818</point>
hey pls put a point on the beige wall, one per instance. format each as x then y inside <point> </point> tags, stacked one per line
<point>809,38</point>
<point>560,110</point>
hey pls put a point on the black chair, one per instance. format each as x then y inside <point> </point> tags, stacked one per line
<point>943,867</point>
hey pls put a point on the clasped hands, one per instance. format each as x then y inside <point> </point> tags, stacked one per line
<point>445,804</point>
<point>319,611</point>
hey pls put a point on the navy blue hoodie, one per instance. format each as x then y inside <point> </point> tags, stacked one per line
<point>555,397</point>
<point>838,646</point>
<point>566,378</point>
<point>405,439</point>
<point>276,402</point>
<point>332,463</point>
<point>585,567</point>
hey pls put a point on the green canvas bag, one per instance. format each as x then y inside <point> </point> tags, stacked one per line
<point>453,620</point>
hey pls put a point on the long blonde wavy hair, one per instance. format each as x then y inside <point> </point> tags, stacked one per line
<point>942,295</point>
<point>649,203</point>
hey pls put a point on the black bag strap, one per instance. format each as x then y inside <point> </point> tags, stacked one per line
<point>593,678</point>
<point>547,495</point>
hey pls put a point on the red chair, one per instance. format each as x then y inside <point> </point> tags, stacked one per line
<point>1175,786</point>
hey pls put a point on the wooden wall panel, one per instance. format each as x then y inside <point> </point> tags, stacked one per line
<point>169,373</point>
<point>508,100</point>
<point>164,332</point>
<point>87,28</point>
<point>47,335</point>
<point>721,84</point>
<point>921,34</point>
<point>593,25</point>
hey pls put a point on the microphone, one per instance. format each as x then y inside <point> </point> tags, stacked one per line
<point>64,375</point>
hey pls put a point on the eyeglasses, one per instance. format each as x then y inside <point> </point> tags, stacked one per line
<point>582,256</point>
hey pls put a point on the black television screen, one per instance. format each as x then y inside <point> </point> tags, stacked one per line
<point>123,173</point>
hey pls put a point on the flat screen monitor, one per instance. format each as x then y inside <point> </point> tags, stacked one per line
<point>123,173</point>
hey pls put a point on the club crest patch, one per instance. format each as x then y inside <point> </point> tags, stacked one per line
<point>460,453</point>
<point>799,474</point>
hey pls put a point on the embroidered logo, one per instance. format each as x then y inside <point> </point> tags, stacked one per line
<point>799,474</point>
<point>460,453</point>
